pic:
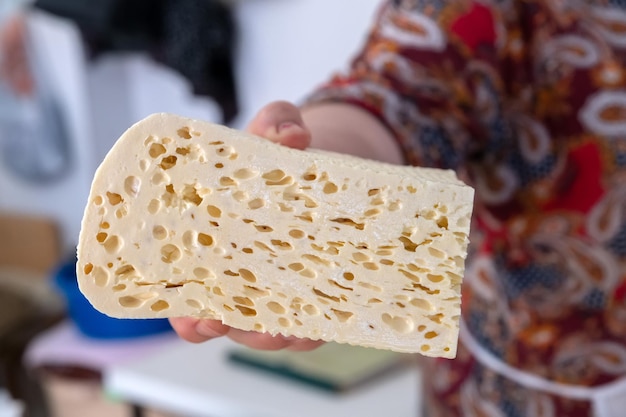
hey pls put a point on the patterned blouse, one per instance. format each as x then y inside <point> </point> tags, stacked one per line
<point>526,100</point>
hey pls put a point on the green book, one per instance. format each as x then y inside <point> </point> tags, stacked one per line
<point>332,367</point>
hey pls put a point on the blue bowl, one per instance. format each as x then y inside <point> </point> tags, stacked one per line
<point>97,325</point>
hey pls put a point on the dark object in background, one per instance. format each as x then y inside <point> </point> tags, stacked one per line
<point>194,37</point>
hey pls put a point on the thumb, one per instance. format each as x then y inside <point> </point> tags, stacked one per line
<point>281,122</point>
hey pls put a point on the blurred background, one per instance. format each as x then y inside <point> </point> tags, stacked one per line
<point>73,76</point>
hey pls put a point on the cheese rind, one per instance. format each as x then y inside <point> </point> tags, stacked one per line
<point>188,218</point>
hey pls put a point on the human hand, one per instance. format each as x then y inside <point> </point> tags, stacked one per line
<point>13,58</point>
<point>280,122</point>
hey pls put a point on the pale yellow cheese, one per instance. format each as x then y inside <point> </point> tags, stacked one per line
<point>187,218</point>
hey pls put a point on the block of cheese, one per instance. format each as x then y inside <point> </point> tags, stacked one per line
<point>188,218</point>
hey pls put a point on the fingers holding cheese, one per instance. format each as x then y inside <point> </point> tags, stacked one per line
<point>197,330</point>
<point>281,122</point>
<point>201,330</point>
<point>266,341</point>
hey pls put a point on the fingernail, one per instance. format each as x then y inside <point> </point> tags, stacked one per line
<point>206,328</point>
<point>285,126</point>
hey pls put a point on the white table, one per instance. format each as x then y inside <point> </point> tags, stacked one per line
<point>199,381</point>
<point>65,345</point>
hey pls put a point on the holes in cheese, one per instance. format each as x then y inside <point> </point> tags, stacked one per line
<point>191,218</point>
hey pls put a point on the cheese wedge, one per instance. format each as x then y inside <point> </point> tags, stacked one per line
<point>187,218</point>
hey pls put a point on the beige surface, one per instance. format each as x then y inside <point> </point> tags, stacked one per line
<point>29,242</point>
<point>78,398</point>
<point>36,286</point>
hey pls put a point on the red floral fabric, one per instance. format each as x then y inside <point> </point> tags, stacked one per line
<point>526,100</point>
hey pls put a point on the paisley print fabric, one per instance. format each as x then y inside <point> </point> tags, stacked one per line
<point>526,100</point>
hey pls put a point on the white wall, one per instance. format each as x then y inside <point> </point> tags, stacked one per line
<point>285,49</point>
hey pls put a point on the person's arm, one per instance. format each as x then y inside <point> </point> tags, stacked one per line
<point>348,129</point>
